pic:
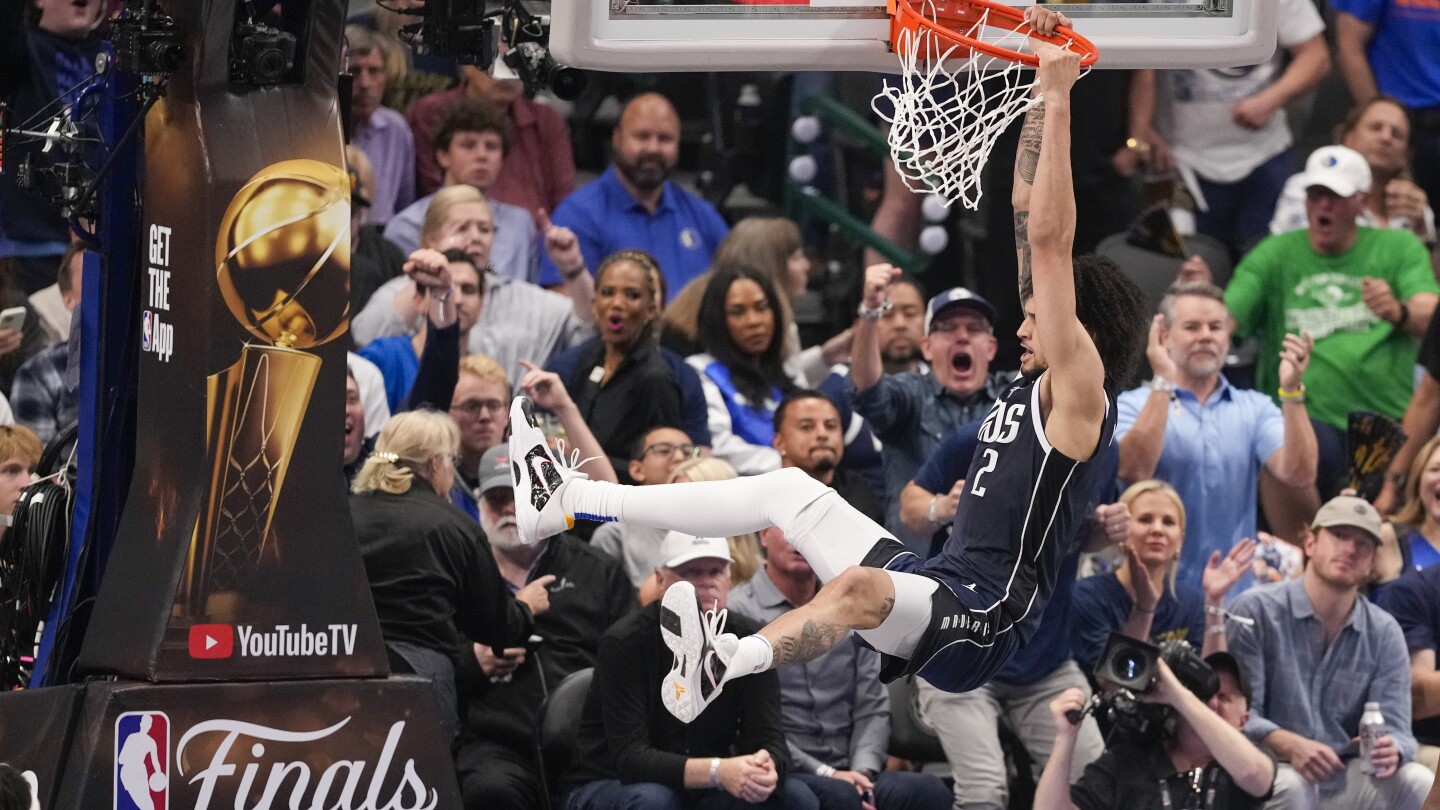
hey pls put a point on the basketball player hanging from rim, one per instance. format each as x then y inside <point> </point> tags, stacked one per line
<point>957,617</point>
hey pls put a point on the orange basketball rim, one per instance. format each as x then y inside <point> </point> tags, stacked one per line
<point>953,19</point>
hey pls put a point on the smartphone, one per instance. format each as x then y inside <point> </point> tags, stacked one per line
<point>12,318</point>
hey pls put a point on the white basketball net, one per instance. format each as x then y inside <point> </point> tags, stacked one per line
<point>951,106</point>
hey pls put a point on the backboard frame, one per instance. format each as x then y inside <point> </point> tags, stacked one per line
<point>651,36</point>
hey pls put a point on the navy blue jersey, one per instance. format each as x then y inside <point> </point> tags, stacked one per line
<point>1023,503</point>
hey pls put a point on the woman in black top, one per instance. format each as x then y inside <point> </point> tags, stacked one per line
<point>429,565</point>
<point>621,383</point>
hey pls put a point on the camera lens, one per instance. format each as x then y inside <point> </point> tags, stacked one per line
<point>1129,665</point>
<point>166,56</point>
<point>566,82</point>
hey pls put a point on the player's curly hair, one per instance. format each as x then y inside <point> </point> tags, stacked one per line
<point>1113,309</point>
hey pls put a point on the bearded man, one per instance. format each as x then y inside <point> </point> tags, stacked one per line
<point>503,688</point>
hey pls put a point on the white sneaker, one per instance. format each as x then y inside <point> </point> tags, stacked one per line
<point>538,477</point>
<point>700,646</point>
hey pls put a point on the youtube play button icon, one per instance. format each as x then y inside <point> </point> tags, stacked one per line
<point>212,641</point>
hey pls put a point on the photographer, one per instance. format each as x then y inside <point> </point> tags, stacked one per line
<point>1207,762</point>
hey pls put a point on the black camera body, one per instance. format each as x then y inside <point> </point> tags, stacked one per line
<point>537,69</point>
<point>1130,664</point>
<point>148,47</point>
<point>1129,667</point>
<point>460,29</point>
<point>261,56</point>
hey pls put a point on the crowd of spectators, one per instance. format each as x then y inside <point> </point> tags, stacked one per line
<point>660,344</point>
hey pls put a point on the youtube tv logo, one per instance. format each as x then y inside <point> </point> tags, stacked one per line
<point>212,641</point>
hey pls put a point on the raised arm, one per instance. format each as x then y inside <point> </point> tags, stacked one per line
<point>1074,382</point>
<point>1352,39</point>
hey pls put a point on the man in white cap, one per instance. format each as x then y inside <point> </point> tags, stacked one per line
<point>632,753</point>
<point>1317,653</point>
<point>1363,294</point>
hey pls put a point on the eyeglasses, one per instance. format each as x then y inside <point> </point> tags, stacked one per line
<point>970,327</point>
<point>471,408</point>
<point>667,449</point>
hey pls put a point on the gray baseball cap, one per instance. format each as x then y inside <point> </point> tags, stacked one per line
<point>495,468</point>
<point>1348,510</point>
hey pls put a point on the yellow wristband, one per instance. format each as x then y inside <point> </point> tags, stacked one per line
<point>1298,394</point>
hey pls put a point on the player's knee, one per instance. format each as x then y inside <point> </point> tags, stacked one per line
<point>867,592</point>
<point>795,483</point>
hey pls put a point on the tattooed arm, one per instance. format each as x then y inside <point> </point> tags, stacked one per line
<point>1027,157</point>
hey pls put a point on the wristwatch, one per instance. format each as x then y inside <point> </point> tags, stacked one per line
<point>874,314</point>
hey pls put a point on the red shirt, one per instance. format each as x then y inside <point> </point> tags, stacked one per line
<point>539,169</point>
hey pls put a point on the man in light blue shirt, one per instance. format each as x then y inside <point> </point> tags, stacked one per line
<point>1317,652</point>
<point>1191,428</point>
<point>634,204</point>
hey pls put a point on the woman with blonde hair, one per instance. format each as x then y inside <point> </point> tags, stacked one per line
<point>1140,598</point>
<point>744,548</point>
<point>520,321</point>
<point>429,565</point>
<point>1417,522</point>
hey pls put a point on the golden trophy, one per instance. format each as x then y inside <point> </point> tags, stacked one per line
<point>283,265</point>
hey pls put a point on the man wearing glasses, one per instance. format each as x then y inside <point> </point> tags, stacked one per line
<point>654,458</point>
<point>478,408</point>
<point>913,411</point>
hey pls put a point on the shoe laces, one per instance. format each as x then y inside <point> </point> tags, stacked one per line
<point>569,467</point>
<point>715,624</point>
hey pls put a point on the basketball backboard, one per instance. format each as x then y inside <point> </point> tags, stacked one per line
<point>681,35</point>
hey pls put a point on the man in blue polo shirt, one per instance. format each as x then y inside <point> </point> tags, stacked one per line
<point>634,204</point>
<point>1191,428</point>
<point>1389,46</point>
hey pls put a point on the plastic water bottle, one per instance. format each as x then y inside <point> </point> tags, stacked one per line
<point>1372,727</point>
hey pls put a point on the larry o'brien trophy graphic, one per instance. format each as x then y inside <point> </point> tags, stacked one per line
<point>282,259</point>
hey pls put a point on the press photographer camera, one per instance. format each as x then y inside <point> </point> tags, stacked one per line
<point>1177,743</point>
<point>1129,668</point>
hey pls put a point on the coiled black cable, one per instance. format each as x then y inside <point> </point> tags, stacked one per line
<point>32,558</point>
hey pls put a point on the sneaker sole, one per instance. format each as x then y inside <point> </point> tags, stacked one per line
<point>680,629</point>
<point>525,442</point>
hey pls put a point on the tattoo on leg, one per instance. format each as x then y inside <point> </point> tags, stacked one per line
<point>815,639</point>
<point>1030,136</point>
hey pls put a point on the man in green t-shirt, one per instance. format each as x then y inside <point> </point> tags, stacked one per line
<point>1365,295</point>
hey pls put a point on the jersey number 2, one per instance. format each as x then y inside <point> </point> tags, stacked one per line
<point>991,459</point>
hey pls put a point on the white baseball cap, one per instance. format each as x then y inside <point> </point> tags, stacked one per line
<point>678,549</point>
<point>1338,168</point>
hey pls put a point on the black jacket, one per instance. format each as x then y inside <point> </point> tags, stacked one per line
<point>590,593</point>
<point>642,394</point>
<point>626,733</point>
<point>1135,776</point>
<point>432,574</point>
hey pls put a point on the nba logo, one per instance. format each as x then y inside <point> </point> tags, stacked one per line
<point>142,761</point>
<point>145,332</point>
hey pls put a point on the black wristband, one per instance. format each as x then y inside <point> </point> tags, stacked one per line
<point>1404,316</point>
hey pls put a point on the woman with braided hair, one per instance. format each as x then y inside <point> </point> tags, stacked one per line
<point>429,565</point>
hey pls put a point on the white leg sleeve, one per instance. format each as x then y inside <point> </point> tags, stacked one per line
<point>900,633</point>
<point>826,530</point>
